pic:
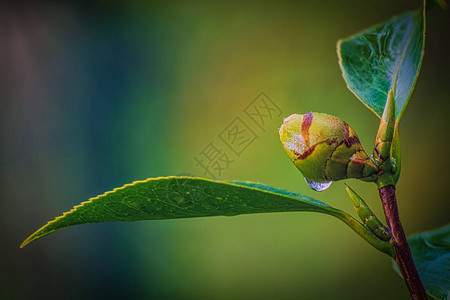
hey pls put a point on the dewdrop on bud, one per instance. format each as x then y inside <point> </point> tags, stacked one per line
<point>325,148</point>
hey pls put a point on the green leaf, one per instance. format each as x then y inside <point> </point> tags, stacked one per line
<point>279,191</point>
<point>384,57</point>
<point>187,197</point>
<point>431,254</point>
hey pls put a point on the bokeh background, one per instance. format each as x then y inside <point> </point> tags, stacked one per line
<point>96,94</point>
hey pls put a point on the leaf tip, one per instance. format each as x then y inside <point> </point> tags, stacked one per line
<point>38,233</point>
<point>348,189</point>
<point>28,240</point>
<point>24,243</point>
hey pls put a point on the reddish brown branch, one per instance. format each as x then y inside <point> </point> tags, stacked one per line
<point>403,254</point>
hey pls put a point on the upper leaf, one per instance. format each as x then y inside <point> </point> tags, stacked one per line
<point>431,253</point>
<point>186,197</point>
<point>384,57</point>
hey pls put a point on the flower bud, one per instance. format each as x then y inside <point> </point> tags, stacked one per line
<point>325,148</point>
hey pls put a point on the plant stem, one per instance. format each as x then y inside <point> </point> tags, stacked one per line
<point>403,255</point>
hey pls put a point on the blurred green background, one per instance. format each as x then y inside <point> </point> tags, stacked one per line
<point>97,94</point>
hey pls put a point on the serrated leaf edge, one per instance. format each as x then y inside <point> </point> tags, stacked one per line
<point>356,226</point>
<point>35,235</point>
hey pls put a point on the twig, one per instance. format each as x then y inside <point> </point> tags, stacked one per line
<point>403,255</point>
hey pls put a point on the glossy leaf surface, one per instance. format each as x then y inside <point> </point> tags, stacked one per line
<point>431,253</point>
<point>187,197</point>
<point>383,57</point>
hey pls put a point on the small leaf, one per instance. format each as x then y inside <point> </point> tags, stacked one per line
<point>384,57</point>
<point>431,253</point>
<point>187,197</point>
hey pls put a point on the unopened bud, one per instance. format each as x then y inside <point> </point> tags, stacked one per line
<point>325,148</point>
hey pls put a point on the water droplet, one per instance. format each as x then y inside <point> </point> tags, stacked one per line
<point>318,186</point>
